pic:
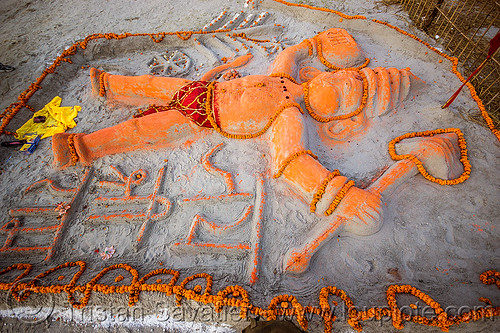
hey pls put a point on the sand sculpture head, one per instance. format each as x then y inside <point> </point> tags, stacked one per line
<point>336,94</point>
<point>339,92</point>
<point>332,94</point>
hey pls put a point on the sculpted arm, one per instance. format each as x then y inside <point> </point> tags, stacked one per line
<point>301,170</point>
<point>238,62</point>
<point>287,60</point>
<point>356,211</point>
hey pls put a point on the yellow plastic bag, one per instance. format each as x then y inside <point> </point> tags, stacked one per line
<point>58,119</point>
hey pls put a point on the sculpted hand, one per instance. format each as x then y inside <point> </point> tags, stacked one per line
<point>361,211</point>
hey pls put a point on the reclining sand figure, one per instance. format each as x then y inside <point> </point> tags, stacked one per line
<point>343,100</point>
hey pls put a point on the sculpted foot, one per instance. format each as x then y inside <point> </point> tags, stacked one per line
<point>60,148</point>
<point>95,75</point>
<point>64,151</point>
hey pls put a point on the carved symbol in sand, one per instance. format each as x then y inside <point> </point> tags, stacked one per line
<point>155,201</point>
<point>172,63</point>
<point>15,231</point>
<point>249,222</point>
<point>337,37</point>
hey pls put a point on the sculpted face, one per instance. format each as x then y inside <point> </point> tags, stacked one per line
<point>334,94</point>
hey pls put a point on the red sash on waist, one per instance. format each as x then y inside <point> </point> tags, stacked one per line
<point>191,101</point>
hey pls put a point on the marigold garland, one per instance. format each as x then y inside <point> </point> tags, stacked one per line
<point>237,296</point>
<point>340,195</point>
<point>463,155</point>
<point>309,47</point>
<point>321,190</point>
<point>315,116</point>
<point>72,149</point>
<point>291,158</point>
<point>348,17</point>
<point>102,89</point>
<point>285,75</point>
<point>490,277</point>
<point>244,36</point>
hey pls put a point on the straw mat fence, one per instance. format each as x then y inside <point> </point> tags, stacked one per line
<point>464,28</point>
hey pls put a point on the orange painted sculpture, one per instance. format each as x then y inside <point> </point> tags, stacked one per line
<point>341,101</point>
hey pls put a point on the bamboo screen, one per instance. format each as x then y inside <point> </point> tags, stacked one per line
<point>464,28</point>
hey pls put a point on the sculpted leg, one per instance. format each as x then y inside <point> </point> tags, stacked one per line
<point>135,90</point>
<point>164,129</point>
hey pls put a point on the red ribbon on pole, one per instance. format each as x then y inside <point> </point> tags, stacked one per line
<point>494,45</point>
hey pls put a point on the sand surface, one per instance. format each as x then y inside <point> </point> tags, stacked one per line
<point>436,238</point>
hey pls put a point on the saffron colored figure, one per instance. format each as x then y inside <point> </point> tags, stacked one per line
<point>342,100</point>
